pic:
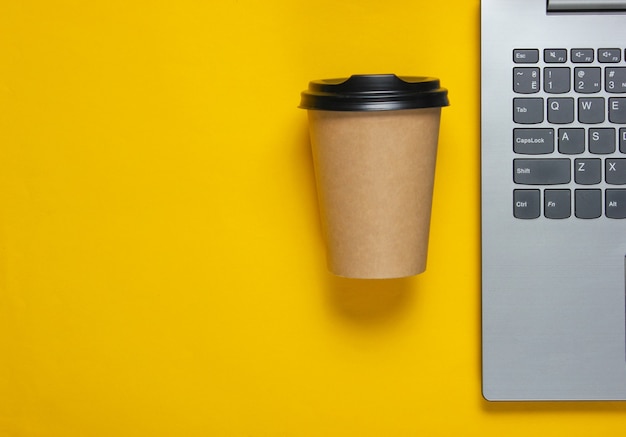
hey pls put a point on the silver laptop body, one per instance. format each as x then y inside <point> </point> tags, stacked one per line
<point>553,186</point>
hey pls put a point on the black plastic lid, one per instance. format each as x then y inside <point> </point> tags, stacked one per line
<point>374,92</point>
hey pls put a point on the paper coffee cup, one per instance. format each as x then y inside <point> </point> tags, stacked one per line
<point>374,141</point>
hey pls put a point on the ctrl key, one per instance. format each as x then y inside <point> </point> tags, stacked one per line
<point>526,204</point>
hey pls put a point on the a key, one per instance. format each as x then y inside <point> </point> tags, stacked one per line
<point>572,141</point>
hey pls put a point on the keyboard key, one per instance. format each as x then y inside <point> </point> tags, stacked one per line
<point>557,204</point>
<point>572,141</point>
<point>622,140</point>
<point>556,80</point>
<point>541,171</point>
<point>554,56</point>
<point>587,80</point>
<point>561,110</point>
<point>615,79</point>
<point>588,204</point>
<point>533,141</point>
<point>528,110</point>
<point>615,171</point>
<point>588,171</point>
<point>615,205</point>
<point>609,55</point>
<point>526,80</point>
<point>525,56</point>
<point>526,204</point>
<point>580,56</point>
<point>617,110</point>
<point>591,110</point>
<point>602,140</point>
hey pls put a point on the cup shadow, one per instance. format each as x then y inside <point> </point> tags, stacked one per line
<point>369,301</point>
<point>361,301</point>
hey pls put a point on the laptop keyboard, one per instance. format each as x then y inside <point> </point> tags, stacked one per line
<point>569,134</point>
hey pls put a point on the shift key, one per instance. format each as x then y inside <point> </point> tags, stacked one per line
<point>542,171</point>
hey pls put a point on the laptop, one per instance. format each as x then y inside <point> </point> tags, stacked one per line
<point>553,207</point>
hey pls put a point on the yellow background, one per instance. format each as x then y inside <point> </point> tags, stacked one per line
<point>161,265</point>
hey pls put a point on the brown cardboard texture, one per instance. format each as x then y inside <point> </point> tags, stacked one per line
<point>375,175</point>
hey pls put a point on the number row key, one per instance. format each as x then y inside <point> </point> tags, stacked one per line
<point>557,80</point>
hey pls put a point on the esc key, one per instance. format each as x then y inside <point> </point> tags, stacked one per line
<point>526,56</point>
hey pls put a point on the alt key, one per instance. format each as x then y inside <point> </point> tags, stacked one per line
<point>615,206</point>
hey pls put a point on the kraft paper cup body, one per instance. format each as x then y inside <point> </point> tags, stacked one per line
<point>375,174</point>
